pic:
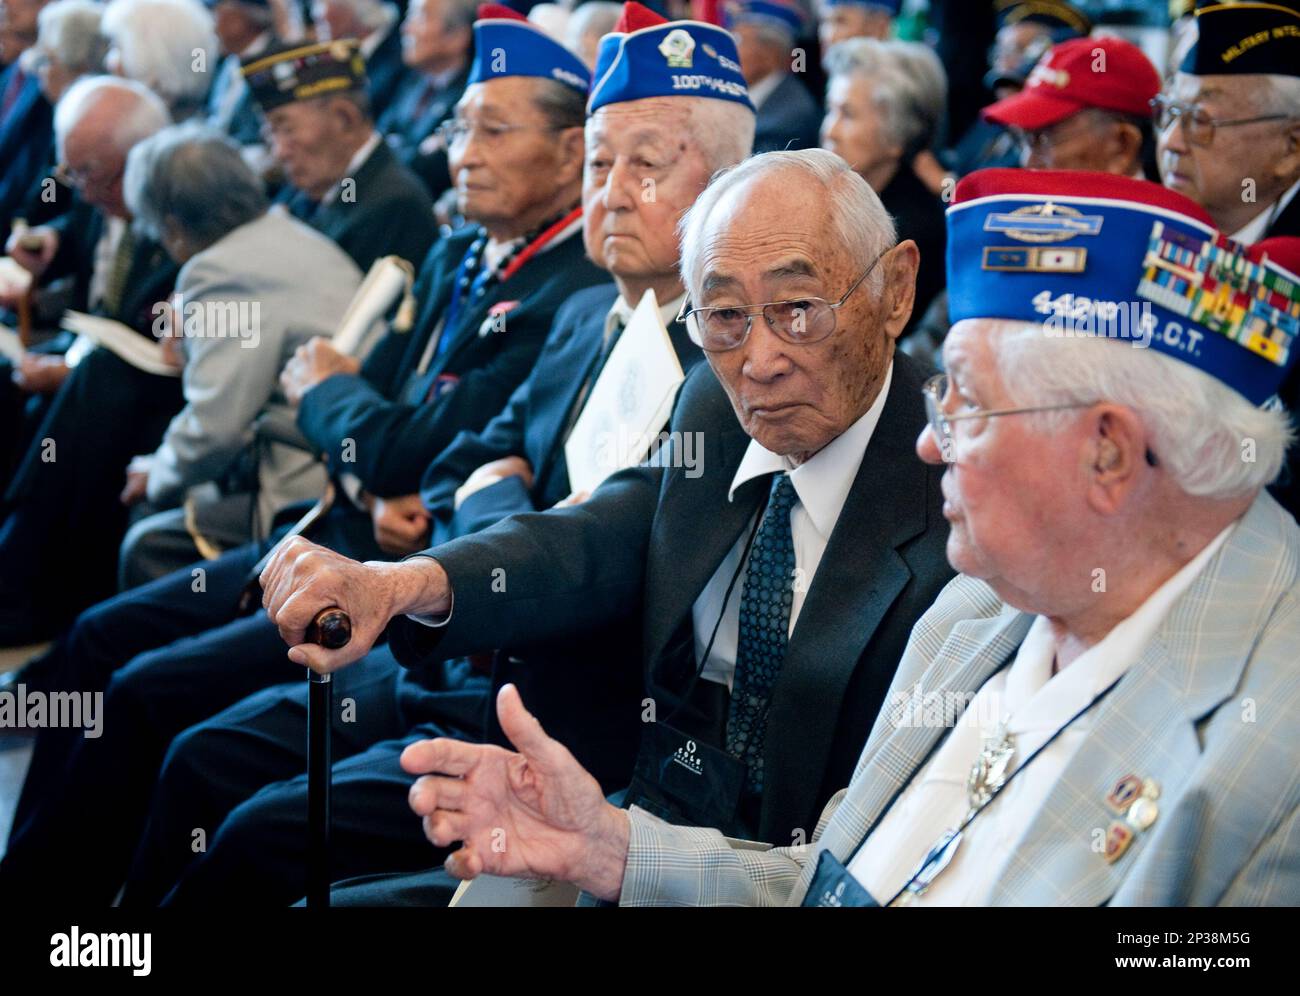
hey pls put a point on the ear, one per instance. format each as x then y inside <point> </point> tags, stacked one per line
<point>1127,142</point>
<point>1114,458</point>
<point>571,152</point>
<point>900,264</point>
<point>1289,165</point>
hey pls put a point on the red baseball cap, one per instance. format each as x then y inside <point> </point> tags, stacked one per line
<point>1108,73</point>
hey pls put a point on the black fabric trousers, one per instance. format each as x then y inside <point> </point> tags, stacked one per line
<point>59,540</point>
<point>228,826</point>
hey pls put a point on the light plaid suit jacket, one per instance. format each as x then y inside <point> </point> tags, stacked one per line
<point>1211,711</point>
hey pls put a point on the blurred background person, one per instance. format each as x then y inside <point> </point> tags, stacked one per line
<point>765,33</point>
<point>168,45</point>
<point>342,179</point>
<point>883,105</point>
<point>839,20</point>
<point>25,113</point>
<point>245,29</point>
<point>1085,106</point>
<point>437,40</point>
<point>587,25</point>
<point>253,286</point>
<point>376,25</point>
<point>1026,29</point>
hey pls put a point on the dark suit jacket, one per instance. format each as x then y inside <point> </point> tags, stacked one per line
<point>150,279</point>
<point>385,71</point>
<point>26,143</point>
<point>390,215</point>
<point>788,119</point>
<point>633,559</point>
<point>406,124</point>
<point>394,438</point>
<point>1287,489</point>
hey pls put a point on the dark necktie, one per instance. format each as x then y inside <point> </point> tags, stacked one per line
<point>764,630</point>
<point>115,285</point>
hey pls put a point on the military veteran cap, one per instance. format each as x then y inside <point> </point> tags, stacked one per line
<point>285,73</point>
<point>891,7</point>
<point>648,56</point>
<point>1114,257</point>
<point>781,13</point>
<point>507,44</point>
<point>1065,19</point>
<point>1107,73</point>
<point>1239,38</point>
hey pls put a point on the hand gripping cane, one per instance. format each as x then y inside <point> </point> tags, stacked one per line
<point>331,629</point>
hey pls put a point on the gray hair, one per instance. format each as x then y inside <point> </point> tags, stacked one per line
<point>596,17</point>
<point>68,30</point>
<point>148,115</point>
<point>909,84</point>
<point>722,129</point>
<point>194,177</point>
<point>770,31</point>
<point>371,13</point>
<point>1278,95</point>
<point>460,13</point>
<point>857,218</point>
<point>1197,424</point>
<point>161,43</point>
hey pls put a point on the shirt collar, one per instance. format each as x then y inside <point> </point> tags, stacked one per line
<point>764,88</point>
<point>1257,227</point>
<point>621,313</point>
<point>822,482</point>
<point>354,164</point>
<point>377,37</point>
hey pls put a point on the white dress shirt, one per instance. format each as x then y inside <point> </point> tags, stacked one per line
<point>1034,704</point>
<point>822,484</point>
<point>1257,227</point>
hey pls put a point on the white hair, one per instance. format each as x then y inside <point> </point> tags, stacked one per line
<point>723,129</point>
<point>374,14</point>
<point>597,17</point>
<point>1278,95</point>
<point>168,45</point>
<point>68,30</point>
<point>909,85</point>
<point>857,217</point>
<point>147,115</point>
<point>1198,425</point>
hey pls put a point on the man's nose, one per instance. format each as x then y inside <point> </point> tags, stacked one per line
<point>767,355</point>
<point>1171,138</point>
<point>927,447</point>
<point>619,186</point>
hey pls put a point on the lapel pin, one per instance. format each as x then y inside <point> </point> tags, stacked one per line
<point>1118,838</point>
<point>1122,795</point>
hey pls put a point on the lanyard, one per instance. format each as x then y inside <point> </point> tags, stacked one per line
<point>945,848</point>
<point>463,290</point>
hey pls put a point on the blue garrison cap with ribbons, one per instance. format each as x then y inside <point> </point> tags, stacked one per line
<point>648,56</point>
<point>781,13</point>
<point>507,44</point>
<point>1124,259</point>
<point>892,7</point>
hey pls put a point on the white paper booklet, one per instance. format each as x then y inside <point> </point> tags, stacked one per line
<point>143,354</point>
<point>382,286</point>
<point>629,403</point>
<point>492,890</point>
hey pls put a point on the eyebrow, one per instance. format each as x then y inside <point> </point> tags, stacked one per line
<point>797,267</point>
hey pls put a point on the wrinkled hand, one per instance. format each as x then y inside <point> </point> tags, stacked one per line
<point>303,578</point>
<point>137,487</point>
<point>34,260</point>
<point>40,373</point>
<point>311,363</point>
<point>401,524</point>
<point>534,814</point>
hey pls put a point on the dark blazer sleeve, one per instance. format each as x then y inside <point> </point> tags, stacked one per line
<point>541,576</point>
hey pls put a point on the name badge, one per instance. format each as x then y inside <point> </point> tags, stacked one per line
<point>832,885</point>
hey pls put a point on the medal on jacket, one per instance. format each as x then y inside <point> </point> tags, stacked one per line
<point>987,776</point>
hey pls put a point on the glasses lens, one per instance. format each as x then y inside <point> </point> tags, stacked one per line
<point>723,328</point>
<point>809,320</point>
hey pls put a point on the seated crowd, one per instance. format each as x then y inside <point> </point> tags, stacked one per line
<point>765,456</point>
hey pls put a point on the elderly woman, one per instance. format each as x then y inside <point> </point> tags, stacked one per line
<point>69,45</point>
<point>883,104</point>
<point>168,45</point>
<point>243,305</point>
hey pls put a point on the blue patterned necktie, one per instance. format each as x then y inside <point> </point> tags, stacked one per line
<point>764,630</point>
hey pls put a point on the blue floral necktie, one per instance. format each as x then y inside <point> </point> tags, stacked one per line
<point>764,630</point>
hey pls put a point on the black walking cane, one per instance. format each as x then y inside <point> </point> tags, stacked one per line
<point>331,629</point>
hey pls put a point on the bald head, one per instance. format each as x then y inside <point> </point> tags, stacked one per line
<point>96,124</point>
